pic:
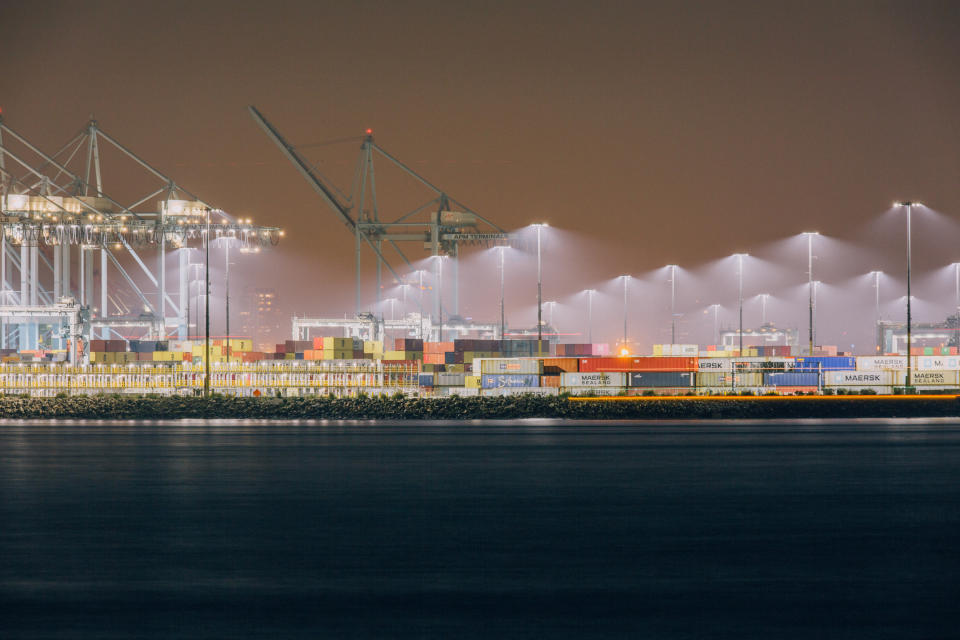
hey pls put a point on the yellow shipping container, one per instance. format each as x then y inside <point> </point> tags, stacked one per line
<point>241,344</point>
<point>373,346</point>
<point>472,382</point>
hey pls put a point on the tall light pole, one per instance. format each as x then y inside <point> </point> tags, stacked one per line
<point>816,286</point>
<point>420,271</point>
<point>626,279</point>
<point>226,310</point>
<point>909,206</point>
<point>740,257</point>
<point>716,323</point>
<point>539,291</point>
<point>503,313</point>
<point>763,308</point>
<point>590,293</point>
<point>673,303</point>
<point>876,290</point>
<point>206,332</point>
<point>440,294</point>
<point>956,277</point>
<point>810,235</point>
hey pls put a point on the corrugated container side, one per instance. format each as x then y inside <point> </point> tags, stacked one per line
<point>556,366</point>
<point>661,379</point>
<point>825,363</point>
<point>791,379</point>
<point>445,379</point>
<point>639,363</point>
<point>500,381</point>
<point>594,379</point>
<point>935,378</point>
<point>510,365</point>
<point>515,391</point>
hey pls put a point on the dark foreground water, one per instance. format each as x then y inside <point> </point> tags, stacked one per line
<point>799,529</point>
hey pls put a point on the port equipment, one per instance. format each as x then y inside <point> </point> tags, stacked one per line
<point>368,326</point>
<point>51,204</point>
<point>441,225</point>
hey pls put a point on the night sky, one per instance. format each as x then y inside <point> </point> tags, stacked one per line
<point>654,132</point>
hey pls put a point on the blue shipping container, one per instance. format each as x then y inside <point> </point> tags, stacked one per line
<point>791,379</point>
<point>425,379</point>
<point>825,363</point>
<point>505,380</point>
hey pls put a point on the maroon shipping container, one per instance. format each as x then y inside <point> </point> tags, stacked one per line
<point>116,345</point>
<point>98,345</point>
<point>408,344</point>
<point>638,363</point>
<point>281,348</point>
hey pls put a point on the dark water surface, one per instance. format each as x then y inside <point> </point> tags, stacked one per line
<point>794,529</point>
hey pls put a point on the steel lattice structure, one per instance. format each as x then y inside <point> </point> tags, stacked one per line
<point>441,225</point>
<point>52,203</point>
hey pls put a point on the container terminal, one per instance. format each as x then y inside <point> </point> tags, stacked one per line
<point>63,331</point>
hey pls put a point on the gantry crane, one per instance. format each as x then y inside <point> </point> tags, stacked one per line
<point>49,204</point>
<point>441,225</point>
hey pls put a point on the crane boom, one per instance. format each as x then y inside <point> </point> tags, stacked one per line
<point>303,168</point>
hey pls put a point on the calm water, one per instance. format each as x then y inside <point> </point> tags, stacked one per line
<point>534,529</point>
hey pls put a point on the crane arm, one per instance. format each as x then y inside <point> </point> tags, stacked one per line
<point>318,185</point>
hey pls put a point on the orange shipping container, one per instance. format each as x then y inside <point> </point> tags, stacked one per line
<point>550,381</point>
<point>433,358</point>
<point>556,366</point>
<point>437,347</point>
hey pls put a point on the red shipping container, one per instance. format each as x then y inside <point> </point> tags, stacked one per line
<point>280,348</point>
<point>318,343</point>
<point>642,363</point>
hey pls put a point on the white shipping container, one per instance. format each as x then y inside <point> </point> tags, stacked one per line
<point>572,379</point>
<point>864,378</point>
<point>595,391</point>
<point>881,363</point>
<point>459,391</point>
<point>920,363</point>
<point>507,365</point>
<point>715,364</point>
<point>937,363</point>
<point>935,378</point>
<point>516,391</point>
<point>448,379</point>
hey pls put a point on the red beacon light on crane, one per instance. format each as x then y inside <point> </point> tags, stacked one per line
<point>369,132</point>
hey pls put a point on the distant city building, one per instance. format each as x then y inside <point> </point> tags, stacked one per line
<point>260,318</point>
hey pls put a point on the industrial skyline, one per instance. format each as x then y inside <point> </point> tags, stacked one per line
<point>642,131</point>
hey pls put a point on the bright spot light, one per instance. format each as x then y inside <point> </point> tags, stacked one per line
<point>624,351</point>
